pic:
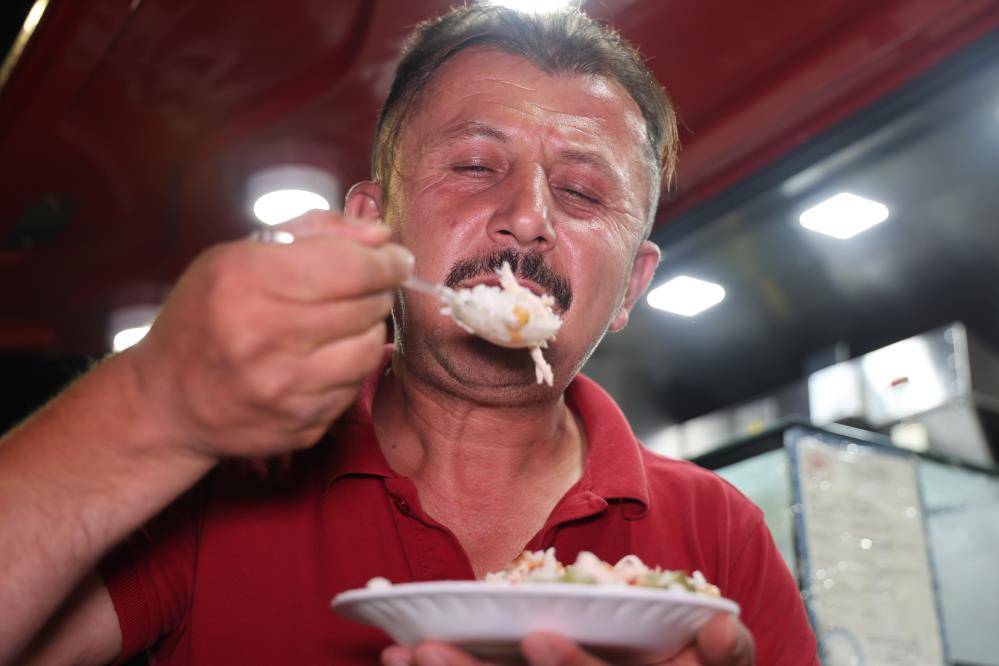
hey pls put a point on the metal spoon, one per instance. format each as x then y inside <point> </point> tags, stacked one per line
<point>425,287</point>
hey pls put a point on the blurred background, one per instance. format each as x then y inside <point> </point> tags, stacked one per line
<point>830,245</point>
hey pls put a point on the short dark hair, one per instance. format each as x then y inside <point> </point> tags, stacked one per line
<point>565,41</point>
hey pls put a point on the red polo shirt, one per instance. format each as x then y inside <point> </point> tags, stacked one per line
<point>242,568</point>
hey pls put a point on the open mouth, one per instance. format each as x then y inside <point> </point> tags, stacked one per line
<point>531,272</point>
<point>494,281</point>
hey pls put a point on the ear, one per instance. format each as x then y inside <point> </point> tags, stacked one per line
<point>364,201</point>
<point>642,271</point>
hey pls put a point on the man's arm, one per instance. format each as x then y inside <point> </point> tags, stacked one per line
<point>74,480</point>
<point>258,350</point>
<point>84,631</point>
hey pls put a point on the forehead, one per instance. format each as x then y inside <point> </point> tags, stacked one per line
<point>487,85</point>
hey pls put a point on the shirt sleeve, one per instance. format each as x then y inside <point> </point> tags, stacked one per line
<point>150,577</point>
<point>771,606</point>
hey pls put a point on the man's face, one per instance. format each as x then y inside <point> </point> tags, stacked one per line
<point>503,161</point>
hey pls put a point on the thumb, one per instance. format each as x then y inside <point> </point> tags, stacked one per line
<point>724,641</point>
<point>315,223</point>
<point>548,649</point>
<point>396,655</point>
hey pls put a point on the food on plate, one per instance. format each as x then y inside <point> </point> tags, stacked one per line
<point>623,613</point>
<point>509,315</point>
<point>541,566</point>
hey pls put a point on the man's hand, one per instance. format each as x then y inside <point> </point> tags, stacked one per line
<point>258,349</point>
<point>723,641</point>
<point>261,346</point>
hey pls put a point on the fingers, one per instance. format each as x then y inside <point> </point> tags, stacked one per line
<point>345,362</point>
<point>724,641</point>
<point>318,223</point>
<point>397,655</point>
<point>540,649</point>
<point>441,654</point>
<point>314,326</point>
<point>299,330</point>
<point>431,653</point>
<point>332,256</point>
<point>688,657</point>
<point>329,267</point>
<point>547,649</point>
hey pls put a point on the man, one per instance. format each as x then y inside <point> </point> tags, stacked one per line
<point>540,141</point>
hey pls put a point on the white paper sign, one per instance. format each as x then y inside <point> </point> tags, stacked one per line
<point>869,583</point>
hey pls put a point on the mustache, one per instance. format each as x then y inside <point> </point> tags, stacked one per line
<point>525,265</point>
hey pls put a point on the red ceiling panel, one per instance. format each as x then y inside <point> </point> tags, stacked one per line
<point>831,59</point>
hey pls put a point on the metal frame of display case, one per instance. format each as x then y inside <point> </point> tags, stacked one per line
<point>769,439</point>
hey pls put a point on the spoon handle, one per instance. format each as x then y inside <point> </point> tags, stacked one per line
<point>422,286</point>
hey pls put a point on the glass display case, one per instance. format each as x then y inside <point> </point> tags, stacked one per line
<point>894,551</point>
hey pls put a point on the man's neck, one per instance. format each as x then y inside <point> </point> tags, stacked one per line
<point>460,446</point>
<point>491,473</point>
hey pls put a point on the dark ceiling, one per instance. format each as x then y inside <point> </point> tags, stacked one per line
<point>930,153</point>
<point>12,15</point>
<point>129,127</point>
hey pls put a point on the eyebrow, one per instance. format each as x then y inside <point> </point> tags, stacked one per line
<point>591,159</point>
<point>471,129</point>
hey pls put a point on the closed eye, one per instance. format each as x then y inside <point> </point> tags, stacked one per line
<point>582,196</point>
<point>472,169</point>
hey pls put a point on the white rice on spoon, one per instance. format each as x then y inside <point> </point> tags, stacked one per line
<point>509,315</point>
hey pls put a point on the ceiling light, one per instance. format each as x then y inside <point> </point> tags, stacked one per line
<point>130,324</point>
<point>534,6</point>
<point>128,337</point>
<point>282,205</point>
<point>278,194</point>
<point>844,215</point>
<point>686,296</point>
<point>34,16</point>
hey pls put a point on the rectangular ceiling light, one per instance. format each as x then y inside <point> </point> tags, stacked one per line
<point>686,296</point>
<point>844,215</point>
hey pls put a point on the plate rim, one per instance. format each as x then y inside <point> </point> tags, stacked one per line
<point>586,590</point>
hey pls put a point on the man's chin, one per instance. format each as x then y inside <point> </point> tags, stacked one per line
<point>500,373</point>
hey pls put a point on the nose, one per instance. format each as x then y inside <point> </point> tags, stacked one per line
<point>524,215</point>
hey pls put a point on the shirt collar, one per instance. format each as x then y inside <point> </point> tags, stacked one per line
<point>614,467</point>
<point>352,444</point>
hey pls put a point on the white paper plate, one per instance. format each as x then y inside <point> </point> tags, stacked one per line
<point>621,624</point>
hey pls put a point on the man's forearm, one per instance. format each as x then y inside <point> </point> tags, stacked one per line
<point>75,479</point>
<point>235,365</point>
